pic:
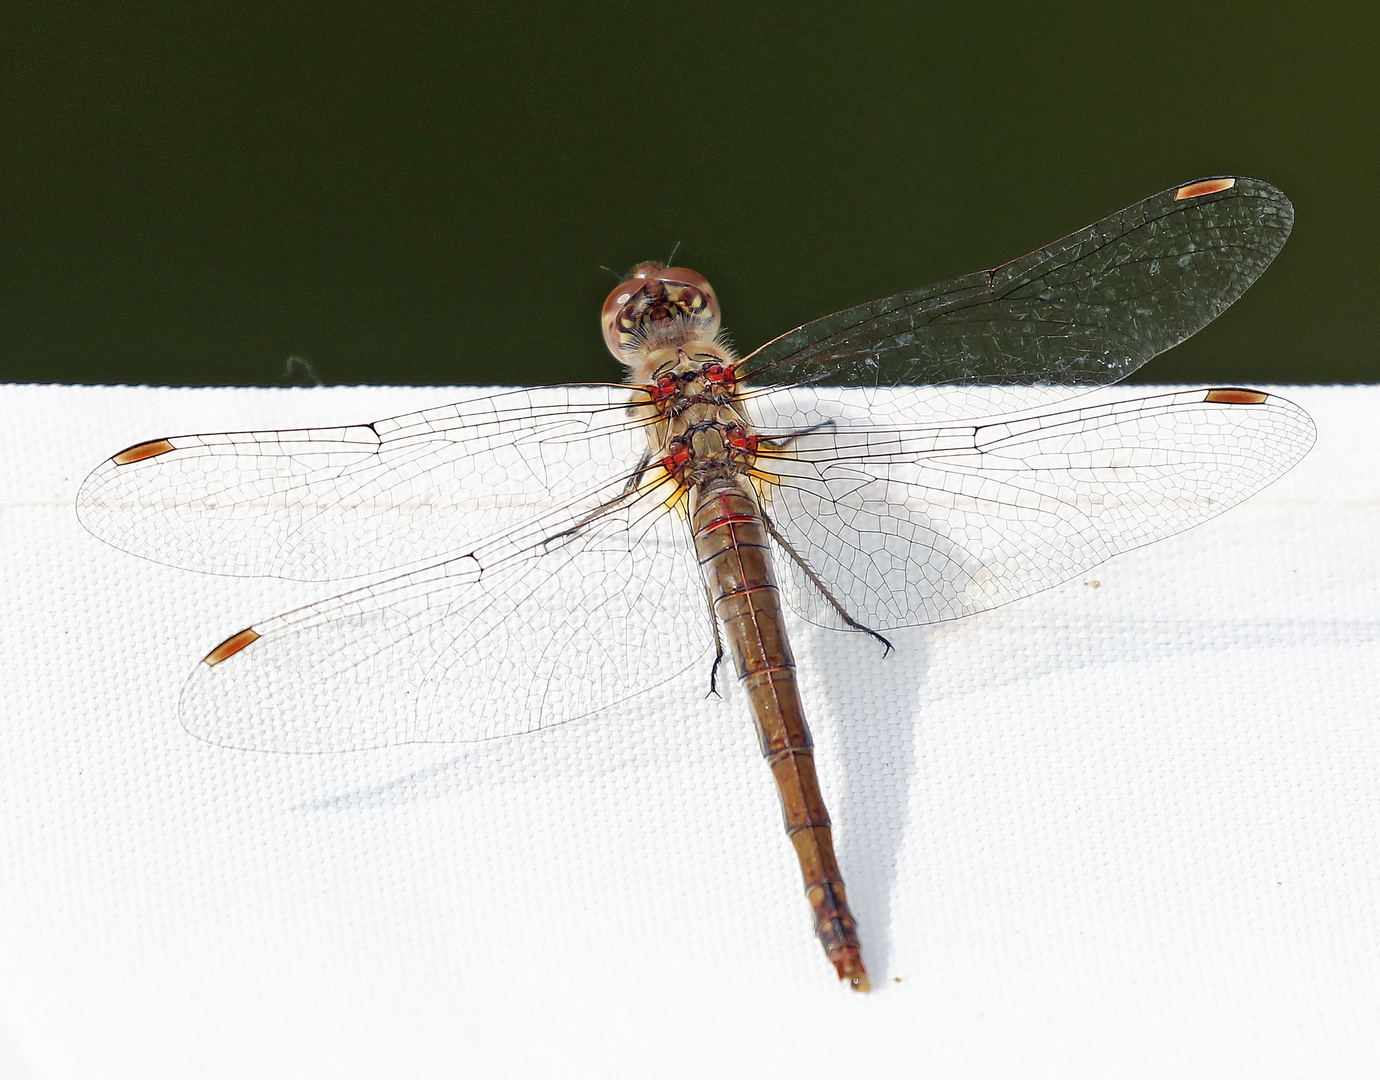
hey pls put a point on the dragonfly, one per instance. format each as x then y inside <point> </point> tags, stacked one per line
<point>539,555</point>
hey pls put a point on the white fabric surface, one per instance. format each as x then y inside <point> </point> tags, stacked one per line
<point>1129,828</point>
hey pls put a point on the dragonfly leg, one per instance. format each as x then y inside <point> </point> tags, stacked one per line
<point>848,619</point>
<point>718,645</point>
<point>783,442</point>
<point>630,489</point>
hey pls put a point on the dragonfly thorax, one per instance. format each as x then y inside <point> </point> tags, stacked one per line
<point>710,451</point>
<point>679,378</point>
<point>699,432</point>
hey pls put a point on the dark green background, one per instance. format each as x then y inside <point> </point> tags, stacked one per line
<point>406,194</point>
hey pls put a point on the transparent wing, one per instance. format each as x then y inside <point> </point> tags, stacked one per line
<point>1087,310</point>
<point>319,504</point>
<point>917,525</point>
<point>533,629</point>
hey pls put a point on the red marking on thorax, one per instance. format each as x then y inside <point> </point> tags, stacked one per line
<point>664,390</point>
<point>678,458</point>
<point>740,440</point>
<point>718,375</point>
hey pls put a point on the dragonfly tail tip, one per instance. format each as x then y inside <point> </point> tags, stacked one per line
<point>851,971</point>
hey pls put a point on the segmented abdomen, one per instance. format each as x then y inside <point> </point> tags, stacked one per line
<point>731,540</point>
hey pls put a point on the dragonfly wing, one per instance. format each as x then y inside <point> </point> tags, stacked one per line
<point>534,629</point>
<point>327,503</point>
<point>909,526</point>
<point>1087,310</point>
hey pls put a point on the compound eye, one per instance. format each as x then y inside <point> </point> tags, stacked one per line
<point>653,288</point>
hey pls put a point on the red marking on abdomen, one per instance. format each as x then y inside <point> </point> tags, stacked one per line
<point>729,519</point>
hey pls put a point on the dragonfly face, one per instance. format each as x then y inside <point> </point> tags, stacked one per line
<point>655,310</point>
<point>906,461</point>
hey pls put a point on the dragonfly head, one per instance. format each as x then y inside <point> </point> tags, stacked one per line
<point>658,306</point>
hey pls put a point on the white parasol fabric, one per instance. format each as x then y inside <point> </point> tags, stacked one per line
<point>1129,826</point>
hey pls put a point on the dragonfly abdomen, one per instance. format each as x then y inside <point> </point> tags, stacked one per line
<point>732,544</point>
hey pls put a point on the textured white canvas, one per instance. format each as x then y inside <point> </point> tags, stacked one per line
<point>1127,827</point>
